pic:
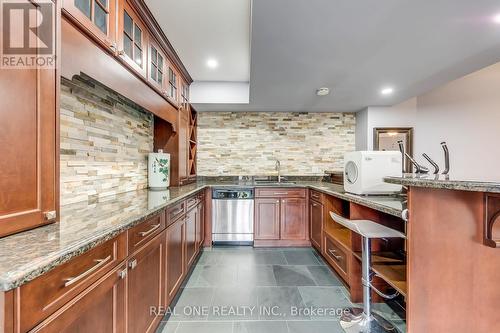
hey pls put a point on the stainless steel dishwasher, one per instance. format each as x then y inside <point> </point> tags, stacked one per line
<point>232,216</point>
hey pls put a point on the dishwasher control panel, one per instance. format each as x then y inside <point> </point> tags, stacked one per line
<point>221,194</point>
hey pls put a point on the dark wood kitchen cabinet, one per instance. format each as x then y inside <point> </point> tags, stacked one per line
<point>316,223</point>
<point>267,219</point>
<point>200,223</point>
<point>280,217</point>
<point>293,219</point>
<point>175,268</point>
<point>132,39</point>
<point>191,246</point>
<point>96,17</point>
<point>29,149</point>
<point>100,308</point>
<point>146,286</point>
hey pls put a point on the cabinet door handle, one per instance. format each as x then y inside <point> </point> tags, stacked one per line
<point>145,233</point>
<point>314,204</point>
<point>100,263</point>
<point>332,252</point>
<point>122,274</point>
<point>132,264</point>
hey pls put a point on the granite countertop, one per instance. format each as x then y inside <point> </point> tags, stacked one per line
<point>84,225</point>
<point>448,182</point>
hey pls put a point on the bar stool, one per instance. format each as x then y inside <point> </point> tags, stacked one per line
<point>358,320</point>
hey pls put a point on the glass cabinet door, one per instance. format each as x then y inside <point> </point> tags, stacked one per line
<point>157,67</point>
<point>97,16</point>
<point>133,39</point>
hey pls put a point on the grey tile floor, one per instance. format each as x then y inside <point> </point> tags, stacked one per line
<point>246,290</point>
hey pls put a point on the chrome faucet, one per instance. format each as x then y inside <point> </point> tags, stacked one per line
<point>278,168</point>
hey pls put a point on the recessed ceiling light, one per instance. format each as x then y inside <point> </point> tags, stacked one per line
<point>496,19</point>
<point>387,91</point>
<point>322,91</point>
<point>212,63</point>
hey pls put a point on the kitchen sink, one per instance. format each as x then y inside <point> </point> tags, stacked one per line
<point>273,182</point>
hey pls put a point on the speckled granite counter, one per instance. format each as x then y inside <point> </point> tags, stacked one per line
<point>445,182</point>
<point>29,254</point>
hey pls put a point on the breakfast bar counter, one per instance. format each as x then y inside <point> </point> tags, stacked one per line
<point>453,261</point>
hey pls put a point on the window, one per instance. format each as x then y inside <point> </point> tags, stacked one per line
<point>132,39</point>
<point>156,66</point>
<point>96,11</point>
<point>172,84</point>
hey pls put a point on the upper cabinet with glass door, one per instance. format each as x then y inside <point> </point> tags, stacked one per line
<point>173,85</point>
<point>157,67</point>
<point>184,96</point>
<point>98,17</point>
<point>132,39</point>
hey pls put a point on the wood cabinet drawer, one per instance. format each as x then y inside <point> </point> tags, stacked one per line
<point>280,192</point>
<point>175,211</point>
<point>192,202</point>
<point>143,232</point>
<point>44,295</point>
<point>337,256</point>
<point>315,195</point>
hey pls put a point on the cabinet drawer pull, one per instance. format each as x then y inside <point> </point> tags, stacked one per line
<point>314,204</point>
<point>280,193</point>
<point>332,252</point>
<point>145,233</point>
<point>177,211</point>
<point>100,263</point>
<point>315,196</point>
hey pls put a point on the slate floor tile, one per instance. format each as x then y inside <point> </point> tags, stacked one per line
<point>323,276</point>
<point>293,276</point>
<point>260,327</point>
<point>301,258</point>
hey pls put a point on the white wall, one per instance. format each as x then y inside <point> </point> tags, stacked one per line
<point>362,130</point>
<point>465,113</point>
<point>401,115</point>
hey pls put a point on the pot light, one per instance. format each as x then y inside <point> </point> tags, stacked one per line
<point>387,91</point>
<point>212,63</point>
<point>496,19</point>
<point>322,91</point>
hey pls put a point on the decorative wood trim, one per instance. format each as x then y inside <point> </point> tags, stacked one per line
<point>491,220</point>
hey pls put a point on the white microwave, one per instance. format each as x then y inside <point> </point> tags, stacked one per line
<point>364,172</point>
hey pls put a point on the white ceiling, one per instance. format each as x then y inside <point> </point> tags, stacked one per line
<point>203,29</point>
<point>354,47</point>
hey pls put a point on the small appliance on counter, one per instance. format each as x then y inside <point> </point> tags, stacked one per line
<point>159,170</point>
<point>364,172</point>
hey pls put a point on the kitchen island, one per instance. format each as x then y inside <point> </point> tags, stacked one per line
<point>453,260</point>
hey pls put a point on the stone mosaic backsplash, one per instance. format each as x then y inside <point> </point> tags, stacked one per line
<point>105,141</point>
<point>249,143</point>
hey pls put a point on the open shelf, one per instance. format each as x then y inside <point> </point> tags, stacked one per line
<point>390,267</point>
<point>384,257</point>
<point>393,274</point>
<point>342,235</point>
